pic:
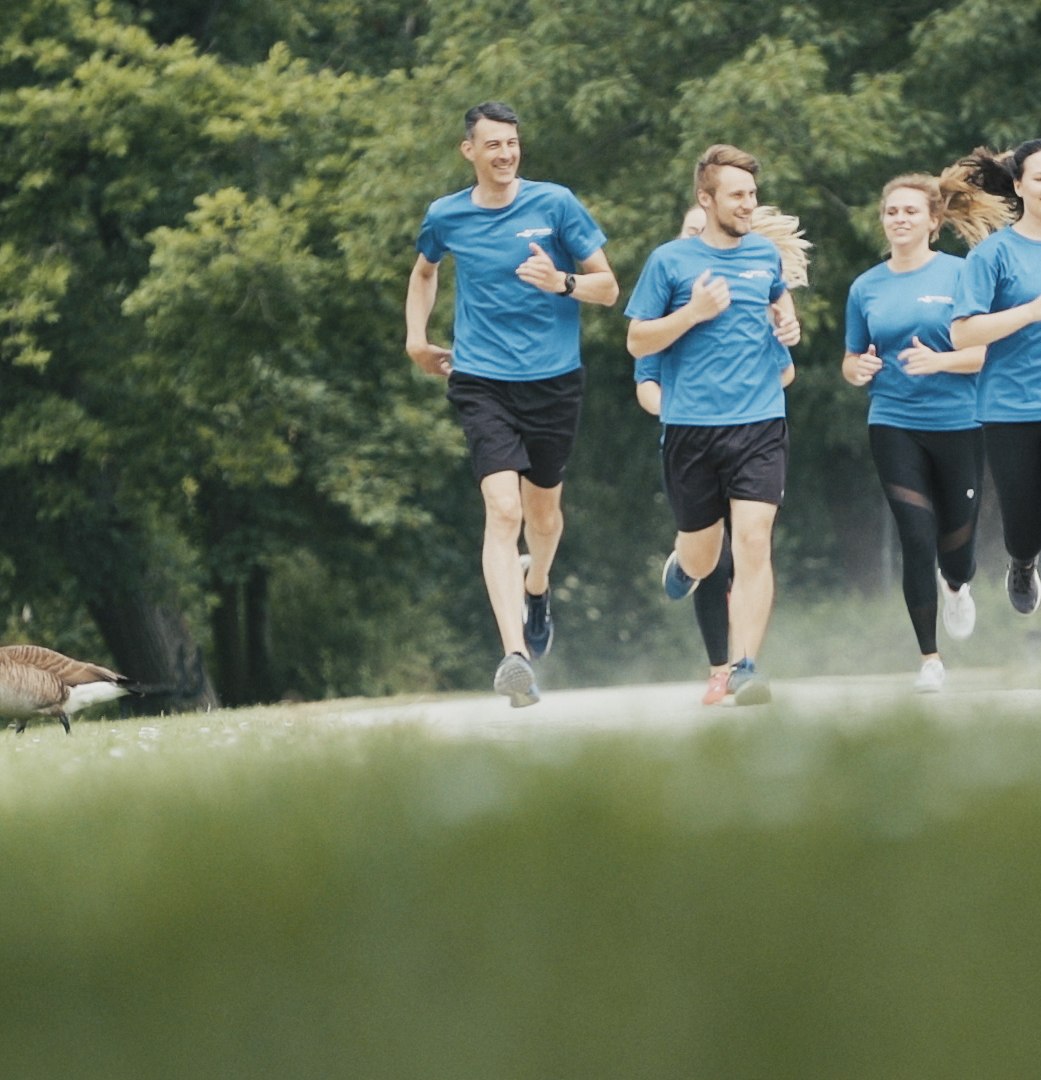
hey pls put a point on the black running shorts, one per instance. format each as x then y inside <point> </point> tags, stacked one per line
<point>523,427</point>
<point>706,467</point>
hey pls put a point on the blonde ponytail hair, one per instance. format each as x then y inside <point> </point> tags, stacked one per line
<point>971,211</point>
<point>784,231</point>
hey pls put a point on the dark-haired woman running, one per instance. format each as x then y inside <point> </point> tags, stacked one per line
<point>998,306</point>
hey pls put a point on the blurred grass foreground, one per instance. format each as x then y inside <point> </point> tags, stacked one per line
<point>271,893</point>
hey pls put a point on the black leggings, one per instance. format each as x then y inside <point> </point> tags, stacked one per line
<point>1014,453</point>
<point>711,606</point>
<point>932,482</point>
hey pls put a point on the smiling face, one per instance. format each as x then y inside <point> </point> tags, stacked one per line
<point>1028,188</point>
<point>907,220</point>
<point>730,204</point>
<point>494,151</point>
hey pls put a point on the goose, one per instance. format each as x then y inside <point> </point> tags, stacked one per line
<point>35,681</point>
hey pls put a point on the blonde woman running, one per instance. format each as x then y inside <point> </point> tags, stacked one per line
<point>924,435</point>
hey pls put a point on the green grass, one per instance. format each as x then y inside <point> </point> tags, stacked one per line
<point>269,893</point>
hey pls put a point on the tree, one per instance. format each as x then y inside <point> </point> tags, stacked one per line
<point>198,420</point>
<point>341,35</point>
<point>208,215</point>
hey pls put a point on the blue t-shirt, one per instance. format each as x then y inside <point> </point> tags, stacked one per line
<point>648,368</point>
<point>1003,272</point>
<point>505,328</point>
<point>723,371</point>
<point>887,309</point>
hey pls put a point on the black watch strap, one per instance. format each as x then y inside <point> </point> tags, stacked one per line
<point>569,285</point>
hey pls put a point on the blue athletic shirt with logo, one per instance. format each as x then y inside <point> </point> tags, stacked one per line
<point>887,309</point>
<point>723,371</point>
<point>1003,272</point>
<point>648,368</point>
<point>505,328</point>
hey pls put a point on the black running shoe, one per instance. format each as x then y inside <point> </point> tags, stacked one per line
<point>1023,585</point>
<point>538,624</point>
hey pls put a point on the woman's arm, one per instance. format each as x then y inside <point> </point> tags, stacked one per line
<point>986,328</point>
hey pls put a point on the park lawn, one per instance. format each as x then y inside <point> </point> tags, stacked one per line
<point>273,893</point>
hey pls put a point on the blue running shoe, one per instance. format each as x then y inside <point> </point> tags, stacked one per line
<point>749,686</point>
<point>515,678</point>
<point>538,625</point>
<point>676,583</point>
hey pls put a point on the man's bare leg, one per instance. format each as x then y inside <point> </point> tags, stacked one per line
<point>503,577</point>
<point>752,593</point>
<point>699,551</point>
<point>543,528</point>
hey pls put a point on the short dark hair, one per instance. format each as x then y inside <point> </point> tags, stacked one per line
<point>489,110</point>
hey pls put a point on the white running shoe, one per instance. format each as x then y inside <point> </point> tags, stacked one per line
<point>959,610</point>
<point>515,678</point>
<point>931,678</point>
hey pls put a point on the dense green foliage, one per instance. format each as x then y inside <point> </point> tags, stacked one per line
<point>207,213</point>
<point>268,893</point>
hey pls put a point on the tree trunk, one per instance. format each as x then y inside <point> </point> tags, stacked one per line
<point>226,623</point>
<point>121,580</point>
<point>241,637</point>
<point>153,646</point>
<point>258,636</point>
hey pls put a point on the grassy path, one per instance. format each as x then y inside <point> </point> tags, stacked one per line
<point>614,884</point>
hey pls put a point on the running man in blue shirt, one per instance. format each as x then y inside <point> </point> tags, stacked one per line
<point>998,306</point>
<point>711,305</point>
<point>925,440</point>
<point>712,596</point>
<point>526,255</point>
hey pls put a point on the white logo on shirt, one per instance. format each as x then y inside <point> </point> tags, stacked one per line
<point>527,234</point>
<point>755,273</point>
<point>935,299</point>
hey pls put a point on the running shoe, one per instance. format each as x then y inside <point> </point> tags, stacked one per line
<point>716,688</point>
<point>959,610</point>
<point>931,677</point>
<point>515,678</point>
<point>538,625</point>
<point>538,622</point>
<point>676,583</point>
<point>748,685</point>
<point>1024,585</point>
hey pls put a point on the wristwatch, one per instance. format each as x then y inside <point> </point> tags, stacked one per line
<point>569,285</point>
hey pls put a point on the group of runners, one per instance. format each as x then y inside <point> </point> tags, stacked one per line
<point>949,350</point>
